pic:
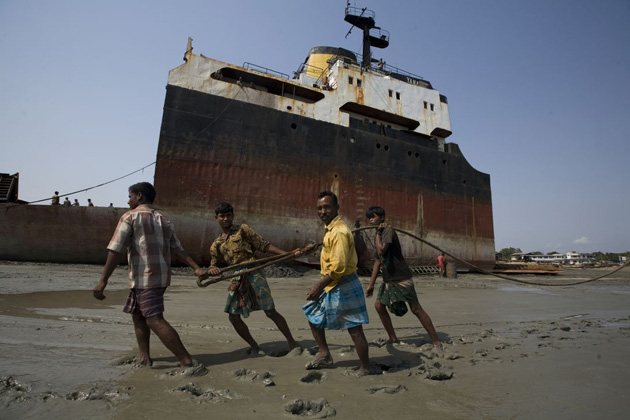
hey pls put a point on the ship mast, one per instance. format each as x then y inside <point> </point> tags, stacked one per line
<point>373,36</point>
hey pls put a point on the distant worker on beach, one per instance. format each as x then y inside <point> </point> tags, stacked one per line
<point>76,203</point>
<point>90,204</point>
<point>67,202</point>
<point>148,239</point>
<point>336,300</point>
<point>238,244</point>
<point>442,264</point>
<point>397,289</point>
<point>55,199</point>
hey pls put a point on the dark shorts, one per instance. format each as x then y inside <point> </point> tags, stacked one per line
<point>147,302</point>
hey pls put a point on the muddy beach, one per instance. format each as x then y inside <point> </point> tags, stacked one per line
<point>513,351</point>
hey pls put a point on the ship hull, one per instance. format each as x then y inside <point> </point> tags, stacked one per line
<point>271,164</point>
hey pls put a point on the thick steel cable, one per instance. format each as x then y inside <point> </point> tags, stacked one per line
<point>481,270</point>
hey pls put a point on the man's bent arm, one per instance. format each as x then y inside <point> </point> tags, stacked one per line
<point>185,257</point>
<point>113,259</point>
<point>318,288</point>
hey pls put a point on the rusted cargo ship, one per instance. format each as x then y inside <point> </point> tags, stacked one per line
<point>346,122</point>
<point>373,134</point>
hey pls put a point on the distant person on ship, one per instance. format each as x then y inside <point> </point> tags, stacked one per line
<point>148,238</point>
<point>238,244</point>
<point>76,203</point>
<point>336,300</point>
<point>90,204</point>
<point>67,202</point>
<point>55,199</point>
<point>397,289</point>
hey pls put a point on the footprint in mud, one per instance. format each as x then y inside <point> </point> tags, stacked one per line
<point>353,372</point>
<point>130,361</point>
<point>296,351</point>
<point>435,371</point>
<point>9,384</point>
<point>212,395</point>
<point>312,377</point>
<point>197,369</point>
<point>252,375</point>
<point>393,365</point>
<point>317,409</point>
<point>387,389</point>
<point>95,393</point>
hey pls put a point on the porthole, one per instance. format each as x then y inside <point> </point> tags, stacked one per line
<point>289,107</point>
<point>351,139</point>
<point>378,145</point>
<point>293,126</point>
<point>386,147</point>
<point>464,182</point>
<point>443,161</point>
<point>409,153</point>
<point>417,154</point>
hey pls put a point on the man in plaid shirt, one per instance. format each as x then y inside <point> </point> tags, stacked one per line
<point>148,239</point>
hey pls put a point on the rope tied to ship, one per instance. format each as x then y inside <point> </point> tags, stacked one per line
<point>481,270</point>
<point>236,270</point>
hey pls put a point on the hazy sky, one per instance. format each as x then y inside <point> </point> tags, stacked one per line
<point>539,94</point>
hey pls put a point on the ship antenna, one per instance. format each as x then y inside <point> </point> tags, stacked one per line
<point>365,21</point>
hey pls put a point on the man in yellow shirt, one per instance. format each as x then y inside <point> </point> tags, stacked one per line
<point>337,301</point>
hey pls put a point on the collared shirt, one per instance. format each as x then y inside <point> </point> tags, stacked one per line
<point>148,238</point>
<point>241,244</point>
<point>338,257</point>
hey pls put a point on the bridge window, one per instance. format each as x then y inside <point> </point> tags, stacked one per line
<point>398,96</point>
<point>391,93</point>
<point>358,82</point>
<point>350,80</point>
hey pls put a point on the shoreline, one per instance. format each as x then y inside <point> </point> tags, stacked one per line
<point>513,351</point>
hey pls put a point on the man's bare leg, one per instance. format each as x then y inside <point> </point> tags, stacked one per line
<point>361,346</point>
<point>143,336</point>
<point>426,322</point>
<point>243,331</point>
<point>319,334</point>
<point>169,337</point>
<point>282,325</point>
<point>386,320</point>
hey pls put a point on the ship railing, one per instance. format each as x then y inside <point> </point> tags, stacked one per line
<point>379,33</point>
<point>355,12</point>
<point>308,68</point>
<point>265,70</point>
<point>387,69</point>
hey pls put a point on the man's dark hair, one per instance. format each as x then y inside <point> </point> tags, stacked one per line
<point>329,194</point>
<point>223,208</point>
<point>147,190</point>
<point>375,210</point>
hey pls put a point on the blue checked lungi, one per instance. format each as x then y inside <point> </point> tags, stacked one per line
<point>341,308</point>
